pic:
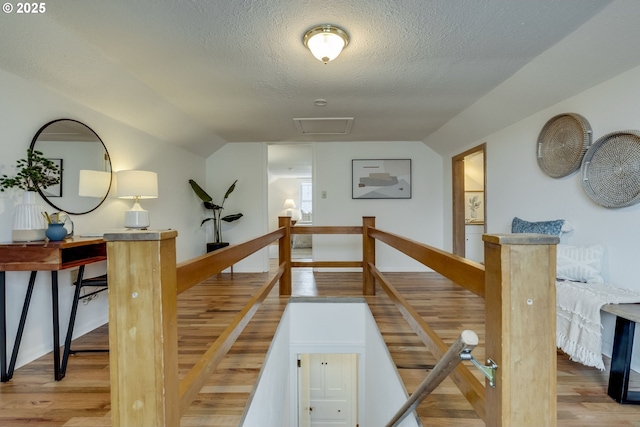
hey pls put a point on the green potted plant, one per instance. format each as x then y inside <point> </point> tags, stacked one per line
<point>36,171</point>
<point>217,214</point>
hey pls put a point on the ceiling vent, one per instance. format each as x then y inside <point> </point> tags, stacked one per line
<point>324,125</point>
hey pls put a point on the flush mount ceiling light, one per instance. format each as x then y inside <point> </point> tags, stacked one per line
<point>326,42</point>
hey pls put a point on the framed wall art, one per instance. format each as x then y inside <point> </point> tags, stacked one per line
<point>381,179</point>
<point>474,207</point>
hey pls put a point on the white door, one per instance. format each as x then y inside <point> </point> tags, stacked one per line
<point>332,391</point>
<point>304,391</point>
<point>474,246</point>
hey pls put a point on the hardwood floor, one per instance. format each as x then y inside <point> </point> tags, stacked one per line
<point>33,398</point>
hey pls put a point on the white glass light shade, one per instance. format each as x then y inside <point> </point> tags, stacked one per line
<point>133,184</point>
<point>94,183</point>
<point>326,42</point>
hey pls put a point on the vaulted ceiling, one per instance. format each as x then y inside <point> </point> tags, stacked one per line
<point>200,74</point>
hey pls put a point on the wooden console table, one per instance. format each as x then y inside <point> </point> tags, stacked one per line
<point>42,256</point>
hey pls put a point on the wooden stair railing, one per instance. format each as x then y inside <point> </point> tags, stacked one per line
<point>465,343</point>
<point>195,379</point>
<point>471,388</point>
<point>464,272</point>
<point>195,270</point>
<point>144,283</point>
<point>517,284</point>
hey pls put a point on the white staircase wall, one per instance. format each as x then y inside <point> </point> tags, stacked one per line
<point>331,325</point>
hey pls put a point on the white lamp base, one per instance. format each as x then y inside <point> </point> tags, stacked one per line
<point>136,217</point>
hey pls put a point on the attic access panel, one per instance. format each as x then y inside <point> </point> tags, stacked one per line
<point>324,125</point>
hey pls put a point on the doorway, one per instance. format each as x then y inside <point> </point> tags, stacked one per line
<point>290,190</point>
<point>469,203</point>
<point>327,390</point>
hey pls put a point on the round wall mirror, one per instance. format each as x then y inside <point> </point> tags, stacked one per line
<point>83,158</point>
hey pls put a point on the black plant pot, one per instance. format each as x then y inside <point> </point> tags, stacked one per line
<point>215,246</point>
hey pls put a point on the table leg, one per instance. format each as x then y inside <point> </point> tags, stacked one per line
<point>621,363</point>
<point>7,373</point>
<point>3,329</point>
<point>56,326</point>
<point>72,321</point>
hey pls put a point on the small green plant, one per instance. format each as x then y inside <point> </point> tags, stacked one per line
<point>217,209</point>
<point>36,171</point>
<point>474,204</point>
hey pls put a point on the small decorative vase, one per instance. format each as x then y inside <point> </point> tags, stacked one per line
<point>56,231</point>
<point>28,222</point>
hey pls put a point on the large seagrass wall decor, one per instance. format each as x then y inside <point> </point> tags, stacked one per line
<point>611,169</point>
<point>562,143</point>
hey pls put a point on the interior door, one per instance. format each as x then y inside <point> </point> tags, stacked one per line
<point>469,202</point>
<point>331,390</point>
<point>304,412</point>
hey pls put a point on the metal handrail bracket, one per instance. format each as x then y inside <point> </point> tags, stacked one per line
<point>489,371</point>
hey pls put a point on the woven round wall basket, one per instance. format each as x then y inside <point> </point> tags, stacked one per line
<point>611,170</point>
<point>562,143</point>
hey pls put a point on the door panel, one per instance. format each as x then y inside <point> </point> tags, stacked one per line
<point>304,388</point>
<point>332,390</point>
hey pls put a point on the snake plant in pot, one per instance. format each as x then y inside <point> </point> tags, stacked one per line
<point>217,212</point>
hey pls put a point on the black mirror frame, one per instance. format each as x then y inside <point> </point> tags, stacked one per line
<point>44,197</point>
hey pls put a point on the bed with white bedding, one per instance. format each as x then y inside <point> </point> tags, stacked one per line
<point>578,318</point>
<point>581,292</point>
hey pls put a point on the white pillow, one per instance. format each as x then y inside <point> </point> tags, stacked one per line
<point>580,263</point>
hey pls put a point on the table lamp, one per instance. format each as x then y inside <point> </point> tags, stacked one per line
<point>136,185</point>
<point>289,205</point>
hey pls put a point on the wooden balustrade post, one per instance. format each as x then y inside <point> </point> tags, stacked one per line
<point>520,310</point>
<point>284,255</point>
<point>143,338</point>
<point>368,256</point>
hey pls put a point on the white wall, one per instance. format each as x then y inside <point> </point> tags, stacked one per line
<point>269,403</point>
<point>24,108</point>
<point>419,217</point>
<point>312,327</point>
<point>382,376</point>
<point>246,162</point>
<point>516,186</point>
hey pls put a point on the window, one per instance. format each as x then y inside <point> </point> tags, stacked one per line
<point>306,201</point>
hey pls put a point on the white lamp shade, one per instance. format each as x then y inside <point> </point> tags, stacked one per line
<point>134,184</point>
<point>289,204</point>
<point>94,183</point>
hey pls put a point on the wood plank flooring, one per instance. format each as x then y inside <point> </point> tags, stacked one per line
<point>33,398</point>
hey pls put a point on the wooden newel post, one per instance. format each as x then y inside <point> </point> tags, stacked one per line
<point>284,255</point>
<point>520,297</point>
<point>368,256</point>
<point>143,337</point>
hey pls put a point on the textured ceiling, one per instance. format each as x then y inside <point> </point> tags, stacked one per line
<point>202,73</point>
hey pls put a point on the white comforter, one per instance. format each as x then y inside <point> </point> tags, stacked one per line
<point>578,325</point>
